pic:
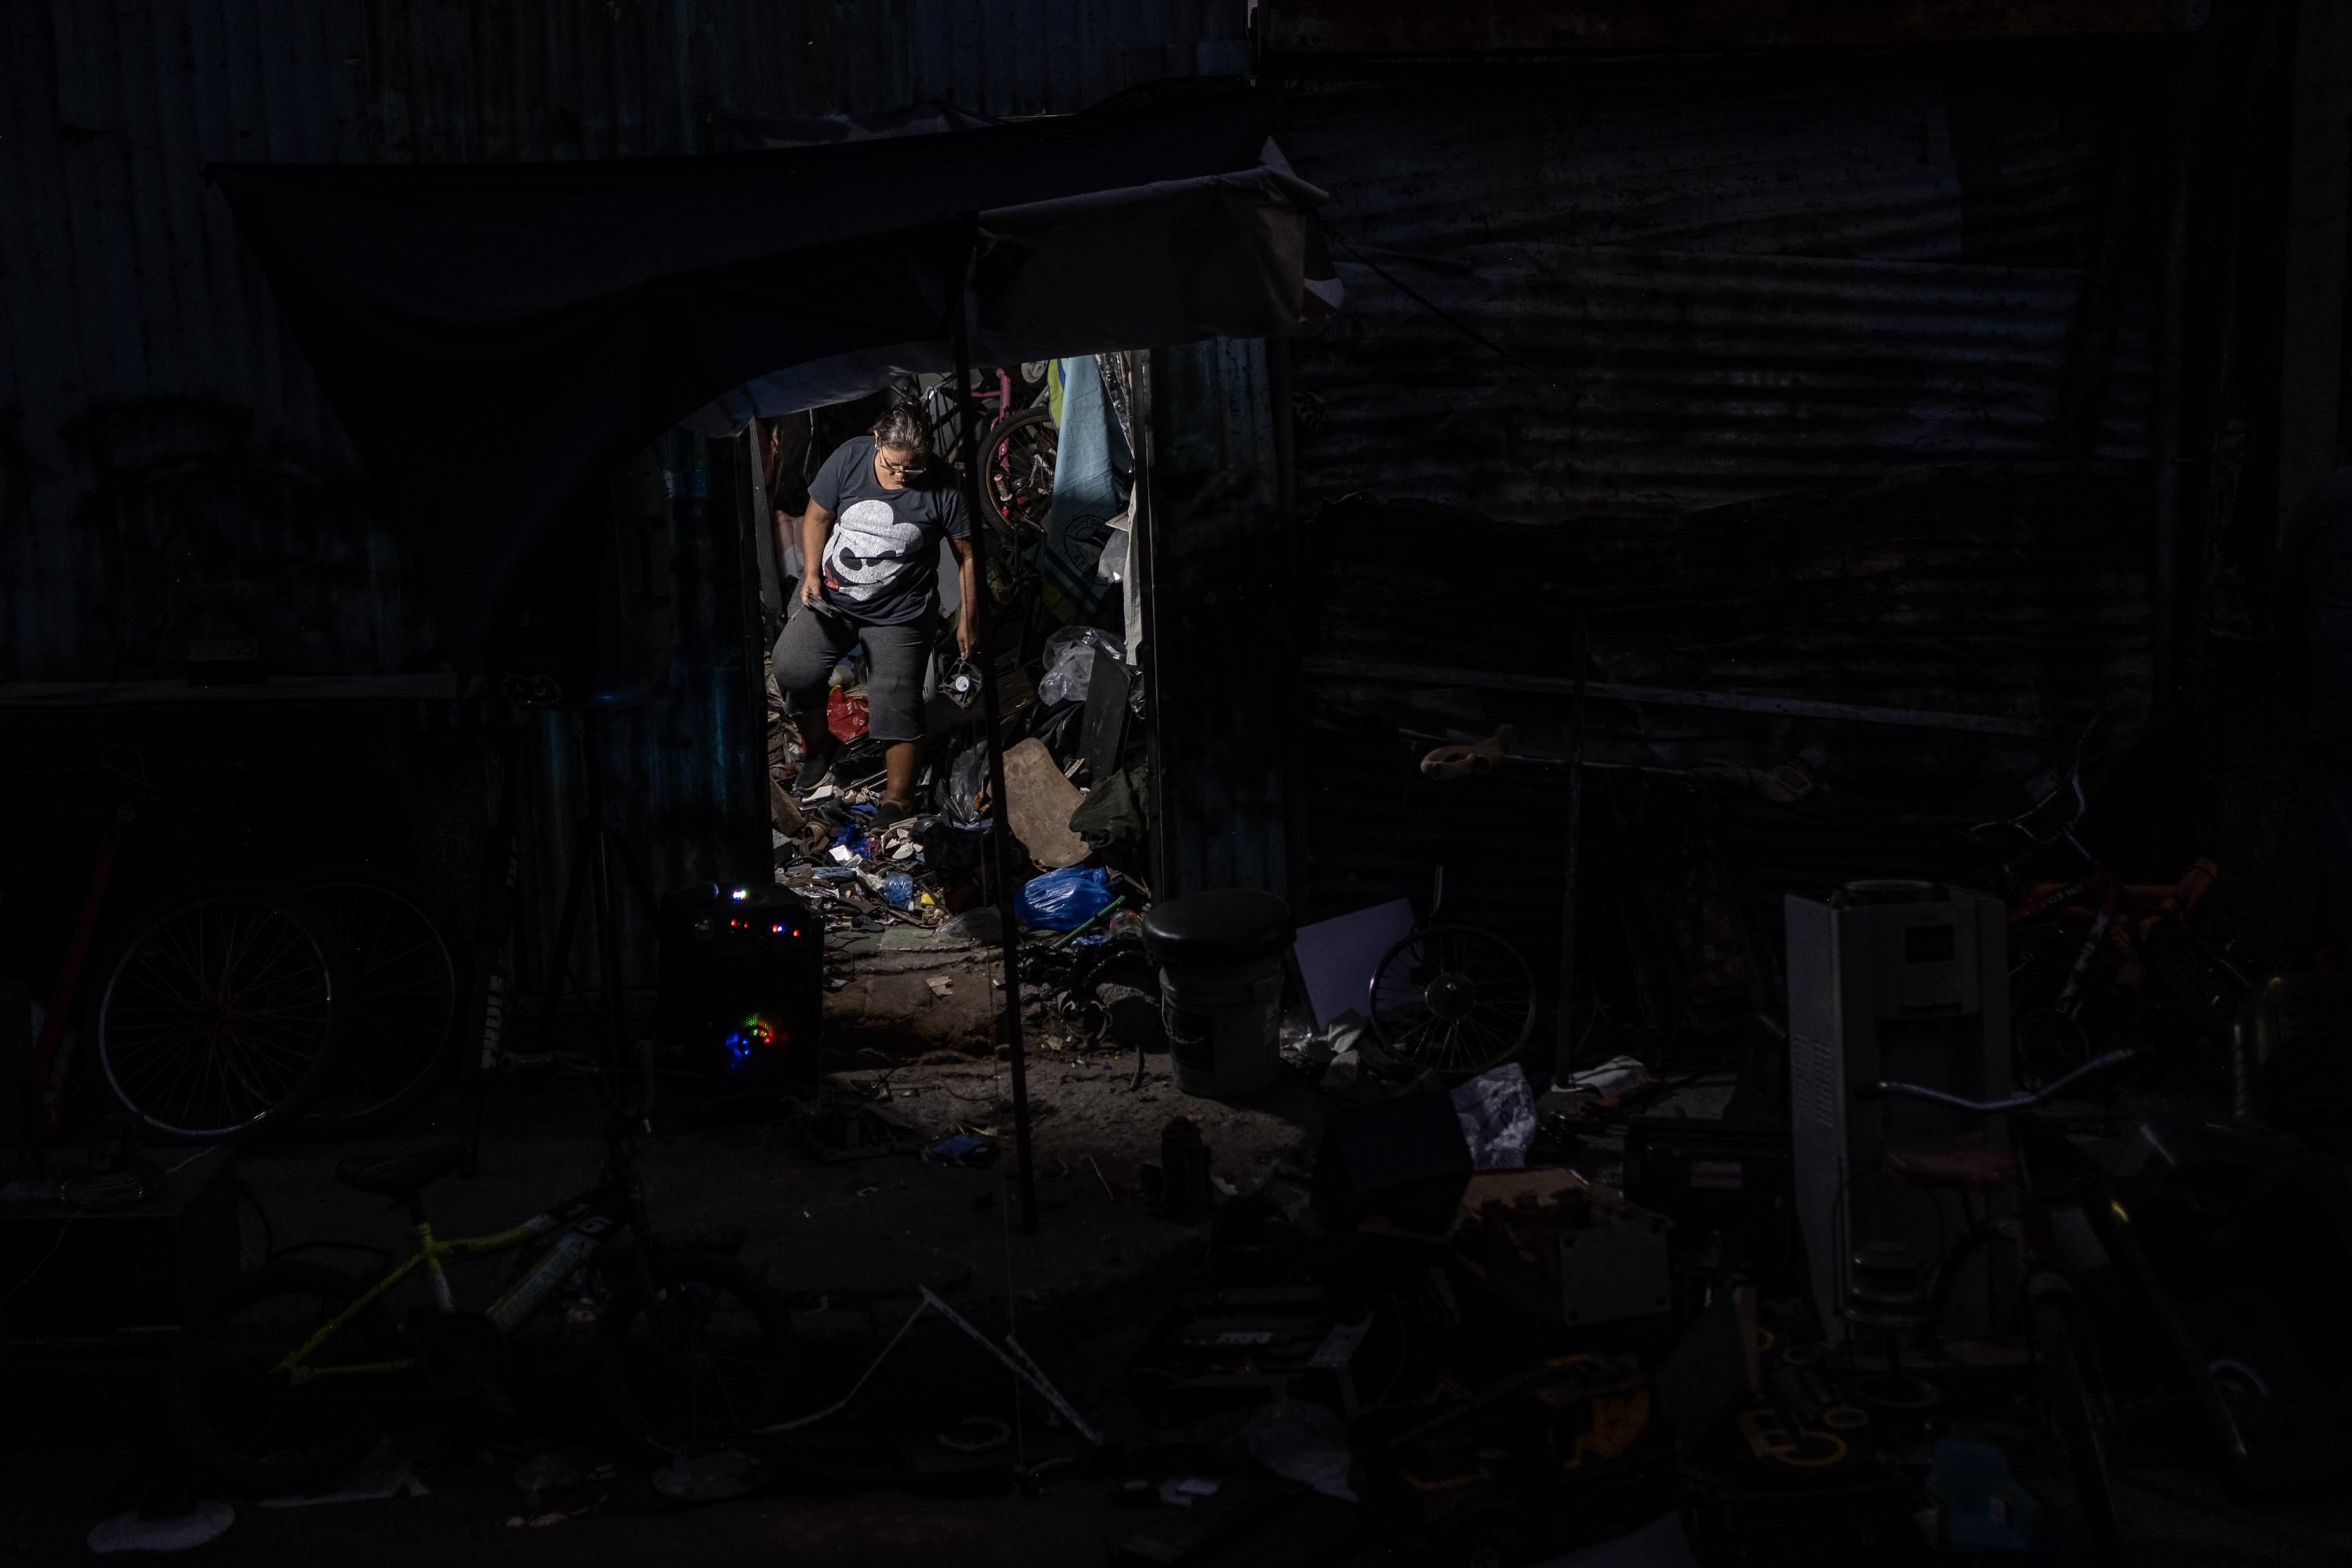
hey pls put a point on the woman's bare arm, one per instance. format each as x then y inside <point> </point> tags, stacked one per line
<point>816,524</point>
<point>968,591</point>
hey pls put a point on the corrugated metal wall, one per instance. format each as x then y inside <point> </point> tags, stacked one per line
<point>1223,621</point>
<point>674,774</point>
<point>2017,590</point>
<point>167,470</point>
<point>1658,381</point>
<point>1595,326</point>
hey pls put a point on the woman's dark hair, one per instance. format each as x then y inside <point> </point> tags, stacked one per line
<point>903,425</point>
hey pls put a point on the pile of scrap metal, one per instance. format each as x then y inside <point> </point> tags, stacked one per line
<point>1463,1360</point>
<point>1079,797</point>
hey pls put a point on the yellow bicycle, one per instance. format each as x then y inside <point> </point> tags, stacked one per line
<point>295,1370</point>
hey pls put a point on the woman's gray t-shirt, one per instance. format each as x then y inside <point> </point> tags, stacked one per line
<point>882,559</point>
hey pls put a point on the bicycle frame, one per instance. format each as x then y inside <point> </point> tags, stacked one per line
<point>2124,911</point>
<point>44,1104</point>
<point>582,1228</point>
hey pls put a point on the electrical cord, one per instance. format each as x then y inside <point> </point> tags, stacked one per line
<point>34,1273</point>
<point>48,1258</point>
<point>268,1232</point>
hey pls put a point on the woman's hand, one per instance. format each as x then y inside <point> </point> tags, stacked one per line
<point>812,590</point>
<point>967,633</point>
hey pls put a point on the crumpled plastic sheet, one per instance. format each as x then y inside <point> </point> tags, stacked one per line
<point>1070,656</point>
<point>1302,1443</point>
<point>1497,1111</point>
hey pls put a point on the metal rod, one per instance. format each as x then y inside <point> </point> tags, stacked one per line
<point>1564,1048</point>
<point>1610,692</point>
<point>559,952</point>
<point>2164,459</point>
<point>1093,921</point>
<point>1000,831</point>
<point>608,913</point>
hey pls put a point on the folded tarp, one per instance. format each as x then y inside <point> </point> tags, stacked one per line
<point>495,338</point>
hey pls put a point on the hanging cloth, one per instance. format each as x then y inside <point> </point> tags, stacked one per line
<point>1087,494</point>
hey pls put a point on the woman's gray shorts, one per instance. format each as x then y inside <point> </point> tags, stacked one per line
<point>813,642</point>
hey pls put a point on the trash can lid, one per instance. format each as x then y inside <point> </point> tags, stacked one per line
<point>1229,924</point>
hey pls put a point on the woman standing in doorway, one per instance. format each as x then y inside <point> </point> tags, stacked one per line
<point>877,512</point>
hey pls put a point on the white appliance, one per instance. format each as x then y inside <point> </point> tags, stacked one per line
<point>1906,981</point>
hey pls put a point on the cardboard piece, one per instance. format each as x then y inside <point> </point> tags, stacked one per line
<point>1336,958</point>
<point>1039,806</point>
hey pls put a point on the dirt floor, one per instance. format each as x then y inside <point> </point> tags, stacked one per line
<point>852,1240</point>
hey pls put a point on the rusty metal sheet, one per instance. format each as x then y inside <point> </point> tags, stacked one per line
<point>1294,33</point>
<point>1913,163</point>
<point>2017,589</point>
<point>1528,384</point>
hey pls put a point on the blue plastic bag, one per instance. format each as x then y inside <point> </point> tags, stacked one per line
<point>899,888</point>
<point>1063,900</point>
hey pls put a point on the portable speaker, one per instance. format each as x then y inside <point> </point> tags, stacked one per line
<point>742,989</point>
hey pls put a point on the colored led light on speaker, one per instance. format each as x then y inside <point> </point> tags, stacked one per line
<point>755,1036</point>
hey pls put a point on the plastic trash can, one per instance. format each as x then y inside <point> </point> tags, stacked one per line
<point>1221,971</point>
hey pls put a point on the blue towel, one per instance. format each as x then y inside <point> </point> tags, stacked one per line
<point>1086,493</point>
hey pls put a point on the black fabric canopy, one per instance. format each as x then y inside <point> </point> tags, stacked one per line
<point>496,338</point>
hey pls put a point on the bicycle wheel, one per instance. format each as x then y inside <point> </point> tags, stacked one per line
<point>705,1361</point>
<point>1453,999</point>
<point>245,1420</point>
<point>2075,1411</point>
<point>1016,476</point>
<point>218,1018</point>
<point>401,1014</point>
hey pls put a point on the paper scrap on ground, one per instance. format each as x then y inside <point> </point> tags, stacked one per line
<point>386,1470</point>
<point>132,1531</point>
<point>1613,1079</point>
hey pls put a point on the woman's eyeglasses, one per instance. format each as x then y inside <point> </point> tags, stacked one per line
<point>913,465</point>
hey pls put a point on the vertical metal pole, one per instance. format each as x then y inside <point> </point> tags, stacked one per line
<point>1000,835</point>
<point>1564,1046</point>
<point>2171,347</point>
<point>1143,555</point>
<point>608,915</point>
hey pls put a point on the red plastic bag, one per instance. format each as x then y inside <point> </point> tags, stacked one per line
<point>845,716</point>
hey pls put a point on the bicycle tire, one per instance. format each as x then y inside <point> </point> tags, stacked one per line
<point>1016,500</point>
<point>222,1398</point>
<point>408,979</point>
<point>1455,999</point>
<point>216,1019</point>
<point>711,1338</point>
<point>2057,1339</point>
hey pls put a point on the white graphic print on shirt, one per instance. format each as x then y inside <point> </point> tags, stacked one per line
<point>869,548</point>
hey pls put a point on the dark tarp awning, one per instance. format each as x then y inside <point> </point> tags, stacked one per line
<point>495,338</point>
